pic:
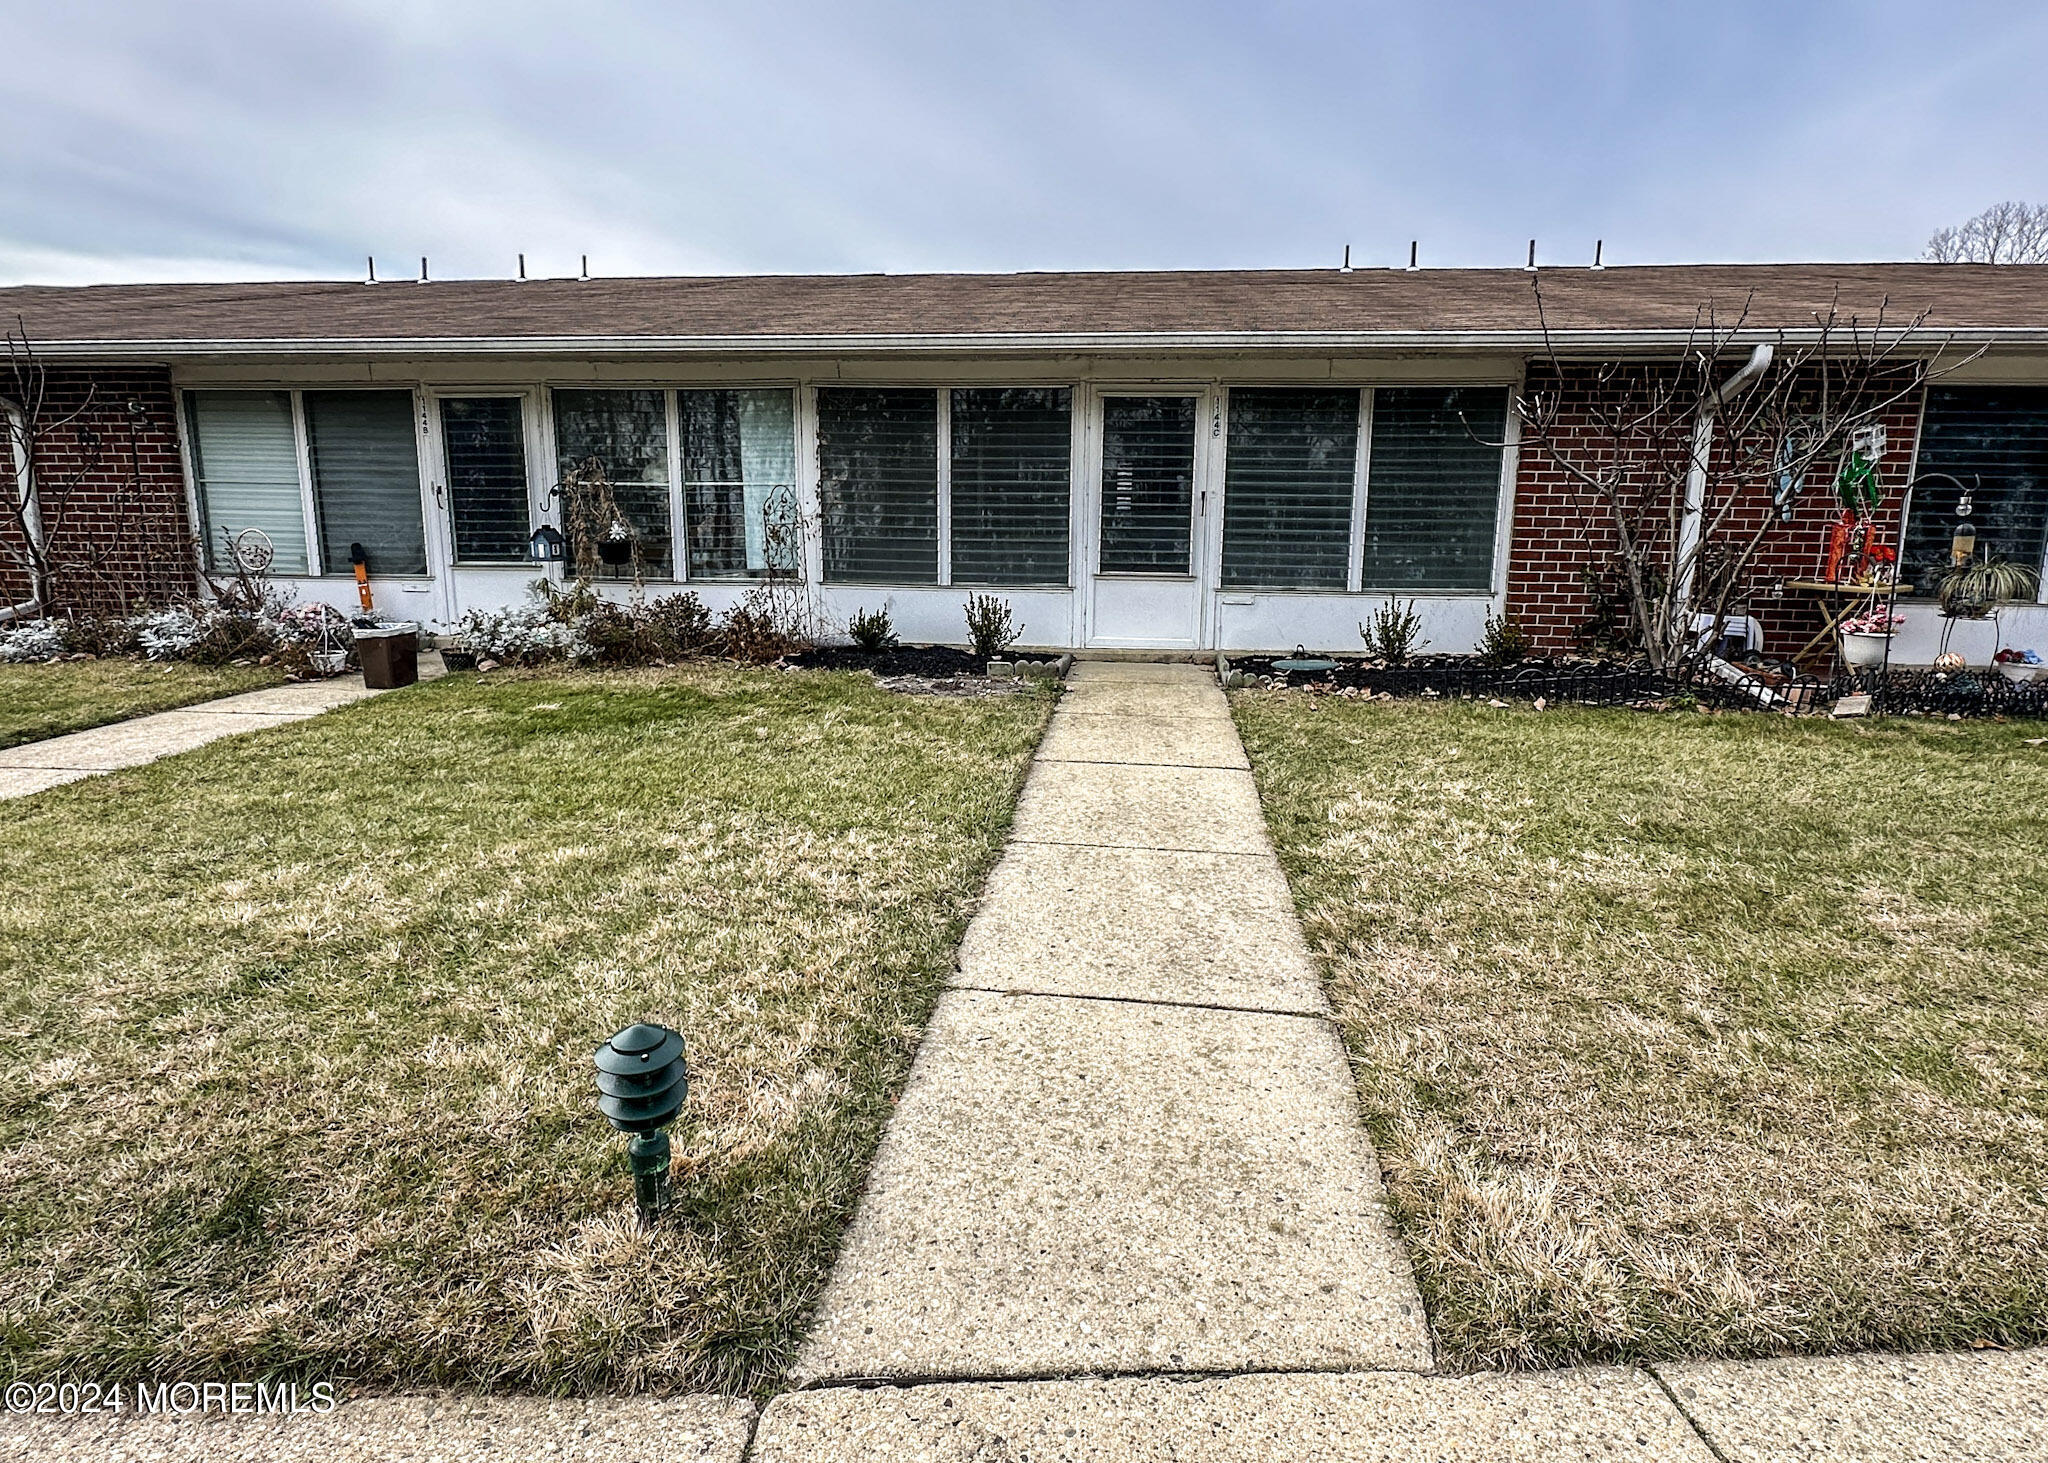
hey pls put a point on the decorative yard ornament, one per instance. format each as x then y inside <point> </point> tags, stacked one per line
<point>642,1083</point>
<point>360,557</point>
<point>252,550</point>
<point>546,546</point>
<point>1301,660</point>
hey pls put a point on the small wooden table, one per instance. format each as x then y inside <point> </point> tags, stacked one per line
<point>1838,604</point>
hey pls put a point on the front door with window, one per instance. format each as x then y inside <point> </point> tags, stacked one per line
<point>1144,586</point>
<point>482,485</point>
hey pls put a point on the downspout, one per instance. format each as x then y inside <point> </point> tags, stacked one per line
<point>1692,521</point>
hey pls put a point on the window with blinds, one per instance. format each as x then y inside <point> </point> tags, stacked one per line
<point>366,479</point>
<point>1287,488</point>
<point>878,454</point>
<point>1432,500</point>
<point>1994,440</point>
<point>1012,459</point>
<point>1148,485</point>
<point>739,479</point>
<point>484,440</point>
<point>627,432</point>
<point>246,455</point>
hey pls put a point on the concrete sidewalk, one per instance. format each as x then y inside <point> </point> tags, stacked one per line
<point>1130,1142</point>
<point>34,766</point>
<point>1989,1407</point>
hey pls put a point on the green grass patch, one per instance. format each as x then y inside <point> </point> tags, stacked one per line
<point>1685,1035</point>
<point>299,1027</point>
<point>38,701</point>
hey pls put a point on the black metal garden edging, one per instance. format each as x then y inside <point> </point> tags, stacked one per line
<point>1969,693</point>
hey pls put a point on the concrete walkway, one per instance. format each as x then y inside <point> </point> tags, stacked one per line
<point>34,766</point>
<point>1130,1144</point>
<point>1129,1155</point>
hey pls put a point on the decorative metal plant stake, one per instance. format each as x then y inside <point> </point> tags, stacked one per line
<point>642,1083</point>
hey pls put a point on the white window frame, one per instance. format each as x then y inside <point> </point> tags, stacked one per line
<point>943,447</point>
<point>803,416</point>
<point>302,451</point>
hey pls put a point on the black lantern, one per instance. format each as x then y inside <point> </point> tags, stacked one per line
<point>642,1083</point>
<point>547,545</point>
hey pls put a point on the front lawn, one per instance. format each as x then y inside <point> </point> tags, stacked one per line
<point>299,1026</point>
<point>1685,1035</point>
<point>38,701</point>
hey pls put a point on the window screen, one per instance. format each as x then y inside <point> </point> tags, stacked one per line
<point>878,456</point>
<point>1995,440</point>
<point>1287,488</point>
<point>1433,499</point>
<point>366,479</point>
<point>627,432</point>
<point>1012,456</point>
<point>739,477</point>
<point>247,458</point>
<point>1148,483</point>
<point>485,441</point>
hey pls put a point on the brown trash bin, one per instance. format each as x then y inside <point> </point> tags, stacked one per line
<point>390,655</point>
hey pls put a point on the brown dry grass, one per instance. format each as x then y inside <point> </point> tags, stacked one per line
<point>1686,1035</point>
<point>298,1028</point>
<point>38,701</point>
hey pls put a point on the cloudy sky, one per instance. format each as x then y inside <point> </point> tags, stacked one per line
<point>220,140</point>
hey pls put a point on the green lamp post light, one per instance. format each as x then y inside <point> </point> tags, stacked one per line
<point>642,1083</point>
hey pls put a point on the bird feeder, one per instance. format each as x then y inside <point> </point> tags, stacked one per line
<point>1962,547</point>
<point>642,1083</point>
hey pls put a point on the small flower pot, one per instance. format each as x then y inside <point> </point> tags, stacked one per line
<point>459,660</point>
<point>2019,670</point>
<point>615,551</point>
<point>1865,650</point>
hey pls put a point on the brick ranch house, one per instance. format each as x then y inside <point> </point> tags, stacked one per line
<point>1166,461</point>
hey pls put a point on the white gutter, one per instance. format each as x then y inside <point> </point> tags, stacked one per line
<point>1569,344</point>
<point>1692,521</point>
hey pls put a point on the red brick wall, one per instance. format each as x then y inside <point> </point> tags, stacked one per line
<point>1562,527</point>
<point>113,490</point>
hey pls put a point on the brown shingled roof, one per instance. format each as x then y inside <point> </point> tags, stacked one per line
<point>1097,308</point>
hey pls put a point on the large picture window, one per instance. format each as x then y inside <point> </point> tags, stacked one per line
<point>1993,441</point>
<point>1012,460</point>
<point>245,455</point>
<point>626,432</point>
<point>362,450</point>
<point>878,471</point>
<point>1432,501</point>
<point>739,479</point>
<point>932,486</point>
<point>1288,484</point>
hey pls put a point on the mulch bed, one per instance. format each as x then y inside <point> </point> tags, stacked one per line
<point>1974,692</point>
<point>926,661</point>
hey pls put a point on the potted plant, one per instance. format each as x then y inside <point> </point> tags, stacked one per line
<point>2020,665</point>
<point>1971,589</point>
<point>616,545</point>
<point>1867,638</point>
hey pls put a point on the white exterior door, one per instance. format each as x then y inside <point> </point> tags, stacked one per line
<point>483,457</point>
<point>1148,471</point>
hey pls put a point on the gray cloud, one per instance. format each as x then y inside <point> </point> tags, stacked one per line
<point>244,140</point>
